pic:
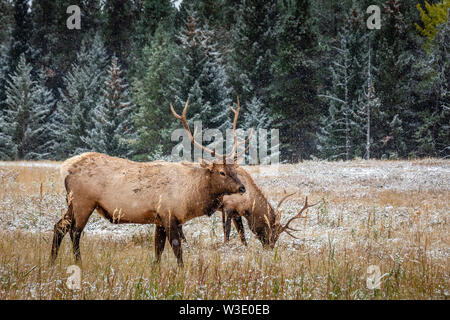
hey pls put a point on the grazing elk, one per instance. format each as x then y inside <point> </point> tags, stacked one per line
<point>163,193</point>
<point>262,218</point>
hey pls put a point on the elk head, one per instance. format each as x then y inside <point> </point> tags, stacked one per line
<point>274,229</point>
<point>223,175</point>
<point>222,170</point>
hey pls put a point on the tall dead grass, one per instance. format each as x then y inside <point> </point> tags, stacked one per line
<point>404,233</point>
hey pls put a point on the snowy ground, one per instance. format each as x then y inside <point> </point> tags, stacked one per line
<point>352,191</point>
<point>394,214</point>
<point>28,164</point>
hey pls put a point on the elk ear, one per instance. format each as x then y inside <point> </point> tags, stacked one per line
<point>207,164</point>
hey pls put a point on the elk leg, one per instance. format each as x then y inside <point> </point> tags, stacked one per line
<point>173,235</point>
<point>60,230</point>
<point>227,229</point>
<point>82,210</point>
<point>160,242</point>
<point>237,221</point>
<point>224,225</point>
<point>180,231</point>
<point>75,235</point>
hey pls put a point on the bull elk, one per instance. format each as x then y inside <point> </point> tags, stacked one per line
<point>161,193</point>
<point>263,220</point>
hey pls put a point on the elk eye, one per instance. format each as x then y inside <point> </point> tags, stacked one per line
<point>222,173</point>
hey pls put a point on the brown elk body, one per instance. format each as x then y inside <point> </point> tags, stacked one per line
<point>263,220</point>
<point>162,193</point>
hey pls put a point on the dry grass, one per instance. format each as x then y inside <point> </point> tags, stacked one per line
<point>391,214</point>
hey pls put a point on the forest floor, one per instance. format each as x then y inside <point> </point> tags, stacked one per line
<point>393,215</point>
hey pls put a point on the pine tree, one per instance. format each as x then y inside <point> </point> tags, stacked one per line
<point>6,144</point>
<point>435,15</point>
<point>347,129</point>
<point>118,28</point>
<point>369,108</point>
<point>254,47</point>
<point>4,59</point>
<point>395,53</point>
<point>150,15</point>
<point>83,90</point>
<point>41,118</point>
<point>44,13</point>
<point>112,126</point>
<point>21,34</point>
<point>433,131</point>
<point>293,93</point>
<point>6,25</point>
<point>218,14</point>
<point>24,129</point>
<point>56,45</point>
<point>6,8</point>
<point>256,118</point>
<point>398,146</point>
<point>50,39</point>
<point>336,132</point>
<point>153,93</point>
<point>203,77</point>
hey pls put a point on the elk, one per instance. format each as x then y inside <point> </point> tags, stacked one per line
<point>264,221</point>
<point>161,193</point>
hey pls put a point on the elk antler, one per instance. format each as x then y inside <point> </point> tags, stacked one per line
<point>183,120</point>
<point>278,212</point>
<point>236,156</point>
<point>297,216</point>
<point>236,142</point>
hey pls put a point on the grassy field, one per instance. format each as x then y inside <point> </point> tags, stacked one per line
<point>391,214</point>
